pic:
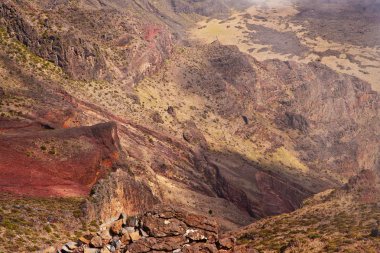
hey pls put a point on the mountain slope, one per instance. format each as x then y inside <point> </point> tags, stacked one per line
<point>343,220</point>
<point>206,128</point>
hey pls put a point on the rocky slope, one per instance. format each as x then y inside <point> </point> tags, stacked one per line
<point>77,37</point>
<point>323,224</point>
<point>162,229</point>
<point>252,139</point>
<point>343,220</point>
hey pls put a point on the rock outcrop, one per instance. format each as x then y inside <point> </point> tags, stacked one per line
<point>87,51</point>
<point>118,192</point>
<point>62,162</point>
<point>162,229</point>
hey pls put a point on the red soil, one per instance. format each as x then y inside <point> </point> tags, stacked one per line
<point>151,32</point>
<point>28,166</point>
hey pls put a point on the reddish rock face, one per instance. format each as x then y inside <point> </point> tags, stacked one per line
<point>158,227</point>
<point>64,162</point>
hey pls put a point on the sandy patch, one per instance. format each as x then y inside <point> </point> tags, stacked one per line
<point>265,31</point>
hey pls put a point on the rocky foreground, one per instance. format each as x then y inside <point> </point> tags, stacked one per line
<point>160,230</point>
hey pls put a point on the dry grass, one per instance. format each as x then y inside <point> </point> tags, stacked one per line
<point>276,16</point>
<point>28,224</point>
<point>322,225</point>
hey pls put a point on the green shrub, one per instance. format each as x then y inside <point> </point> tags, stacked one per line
<point>48,229</point>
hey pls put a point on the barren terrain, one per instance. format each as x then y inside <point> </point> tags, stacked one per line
<point>342,35</point>
<point>236,112</point>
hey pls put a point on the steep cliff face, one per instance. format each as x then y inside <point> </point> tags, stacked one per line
<point>77,37</point>
<point>330,120</point>
<point>80,58</point>
<point>54,163</point>
<point>337,114</point>
<point>117,193</point>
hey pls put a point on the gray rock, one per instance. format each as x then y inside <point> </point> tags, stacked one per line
<point>111,247</point>
<point>132,222</point>
<point>116,242</point>
<point>71,245</point>
<point>66,249</point>
<point>143,233</point>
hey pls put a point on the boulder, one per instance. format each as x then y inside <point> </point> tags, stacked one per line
<point>227,243</point>
<point>71,245</point>
<point>201,222</point>
<point>158,227</point>
<point>200,248</point>
<point>84,240</point>
<point>141,246</point>
<point>116,242</point>
<point>193,135</point>
<point>110,247</point>
<point>130,229</point>
<point>135,236</point>
<point>132,222</point>
<point>116,227</point>
<point>125,238</point>
<point>245,119</point>
<point>105,235</point>
<point>195,235</point>
<point>169,243</point>
<point>97,242</point>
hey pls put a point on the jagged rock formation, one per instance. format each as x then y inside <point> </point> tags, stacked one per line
<point>89,51</point>
<point>119,192</point>
<point>324,108</point>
